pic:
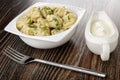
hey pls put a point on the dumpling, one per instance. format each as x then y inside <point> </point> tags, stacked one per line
<point>54,21</point>
<point>25,29</point>
<point>60,11</point>
<point>69,20</point>
<point>34,13</point>
<point>32,31</point>
<point>46,11</point>
<point>28,20</point>
<point>56,31</point>
<point>41,28</point>
<point>43,31</point>
<point>42,22</point>
<point>20,23</point>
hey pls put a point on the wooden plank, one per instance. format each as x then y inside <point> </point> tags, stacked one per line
<point>74,52</point>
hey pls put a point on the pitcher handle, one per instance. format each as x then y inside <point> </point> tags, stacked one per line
<point>105,52</point>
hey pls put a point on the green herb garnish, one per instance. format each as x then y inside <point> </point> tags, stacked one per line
<point>68,17</point>
<point>32,26</point>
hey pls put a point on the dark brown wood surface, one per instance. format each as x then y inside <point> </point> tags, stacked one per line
<point>74,52</point>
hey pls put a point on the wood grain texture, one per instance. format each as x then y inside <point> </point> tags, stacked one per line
<point>74,52</point>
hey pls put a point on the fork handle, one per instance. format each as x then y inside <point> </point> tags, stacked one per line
<point>73,68</point>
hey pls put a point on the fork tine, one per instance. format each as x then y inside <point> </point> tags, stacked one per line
<point>13,53</point>
<point>22,55</point>
<point>10,56</point>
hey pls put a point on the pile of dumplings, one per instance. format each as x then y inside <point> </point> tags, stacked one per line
<point>46,21</point>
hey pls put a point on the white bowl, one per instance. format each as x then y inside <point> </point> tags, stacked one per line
<point>45,42</point>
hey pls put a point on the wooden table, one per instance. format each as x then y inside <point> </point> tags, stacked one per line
<point>74,52</point>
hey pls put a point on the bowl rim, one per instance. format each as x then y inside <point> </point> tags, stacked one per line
<point>11,27</point>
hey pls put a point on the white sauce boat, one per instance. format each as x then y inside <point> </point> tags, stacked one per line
<point>101,35</point>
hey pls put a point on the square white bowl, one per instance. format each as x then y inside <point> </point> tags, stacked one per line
<point>45,42</point>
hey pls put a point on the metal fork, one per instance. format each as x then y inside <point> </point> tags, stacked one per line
<point>24,59</point>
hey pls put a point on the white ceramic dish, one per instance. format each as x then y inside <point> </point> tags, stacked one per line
<point>102,46</point>
<point>45,42</point>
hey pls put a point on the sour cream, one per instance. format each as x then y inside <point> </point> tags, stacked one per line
<point>100,28</point>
